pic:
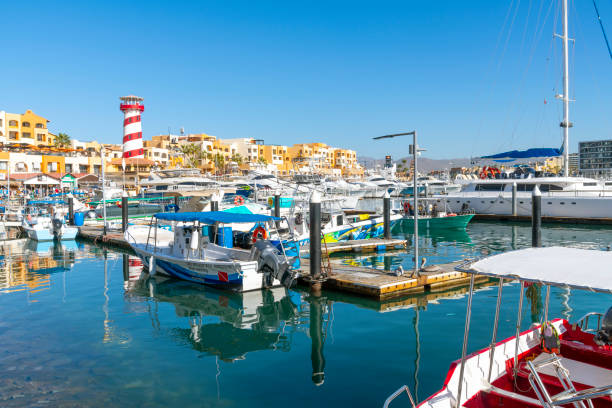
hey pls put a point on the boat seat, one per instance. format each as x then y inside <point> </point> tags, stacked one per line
<point>560,368</point>
<point>579,372</point>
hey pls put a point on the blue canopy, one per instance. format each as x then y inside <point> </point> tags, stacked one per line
<point>72,192</point>
<point>46,202</point>
<point>212,217</point>
<point>526,154</point>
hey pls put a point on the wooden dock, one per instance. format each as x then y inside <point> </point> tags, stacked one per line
<point>359,246</point>
<point>95,234</point>
<point>382,285</point>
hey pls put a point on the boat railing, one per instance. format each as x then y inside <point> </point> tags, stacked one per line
<point>583,322</point>
<point>400,391</point>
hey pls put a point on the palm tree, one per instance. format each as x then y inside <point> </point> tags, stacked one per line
<point>237,158</point>
<point>193,155</point>
<point>62,140</point>
<point>263,160</point>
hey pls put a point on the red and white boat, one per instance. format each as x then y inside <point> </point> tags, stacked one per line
<point>560,364</point>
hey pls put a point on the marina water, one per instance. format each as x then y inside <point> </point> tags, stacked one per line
<point>84,326</point>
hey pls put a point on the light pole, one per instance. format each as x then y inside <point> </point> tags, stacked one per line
<point>414,150</point>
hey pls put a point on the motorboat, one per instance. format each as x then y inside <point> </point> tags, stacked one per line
<point>45,221</point>
<point>195,246</point>
<point>173,180</point>
<point>553,363</point>
<point>48,228</point>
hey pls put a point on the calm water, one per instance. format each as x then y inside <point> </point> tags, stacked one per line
<point>80,326</point>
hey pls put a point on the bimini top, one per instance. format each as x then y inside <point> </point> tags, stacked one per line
<point>211,217</point>
<point>570,267</point>
<point>46,202</point>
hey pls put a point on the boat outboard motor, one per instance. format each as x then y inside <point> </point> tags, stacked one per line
<point>272,264</point>
<point>604,335</point>
<point>57,227</point>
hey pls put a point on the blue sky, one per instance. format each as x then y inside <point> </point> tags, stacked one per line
<point>471,77</point>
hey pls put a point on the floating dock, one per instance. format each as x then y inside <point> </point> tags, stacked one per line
<point>381,285</point>
<point>359,246</point>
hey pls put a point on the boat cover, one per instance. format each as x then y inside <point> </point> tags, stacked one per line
<point>526,154</point>
<point>558,266</point>
<point>211,217</point>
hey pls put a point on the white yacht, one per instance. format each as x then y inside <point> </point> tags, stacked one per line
<point>574,197</point>
<point>164,181</point>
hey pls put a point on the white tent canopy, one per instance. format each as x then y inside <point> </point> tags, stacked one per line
<point>572,267</point>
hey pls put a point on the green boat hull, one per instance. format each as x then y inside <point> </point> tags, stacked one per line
<point>453,222</point>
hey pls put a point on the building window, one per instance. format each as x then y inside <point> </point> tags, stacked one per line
<point>12,123</point>
<point>25,124</point>
<point>27,135</point>
<point>40,126</point>
<point>97,169</point>
<point>3,165</point>
<point>52,167</point>
<point>13,135</point>
<point>40,137</point>
<point>83,168</point>
<point>0,122</point>
<point>68,168</point>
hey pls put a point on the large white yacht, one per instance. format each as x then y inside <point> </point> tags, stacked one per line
<point>574,197</point>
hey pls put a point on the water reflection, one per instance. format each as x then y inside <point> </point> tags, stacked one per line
<point>27,265</point>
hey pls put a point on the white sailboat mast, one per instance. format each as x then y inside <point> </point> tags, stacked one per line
<point>566,124</point>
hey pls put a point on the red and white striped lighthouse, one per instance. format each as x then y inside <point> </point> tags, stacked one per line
<point>132,106</point>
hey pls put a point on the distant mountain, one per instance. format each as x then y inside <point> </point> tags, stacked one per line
<point>425,165</point>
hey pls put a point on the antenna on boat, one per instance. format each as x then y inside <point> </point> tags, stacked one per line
<point>565,124</point>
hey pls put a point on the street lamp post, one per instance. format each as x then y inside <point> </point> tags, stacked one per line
<point>414,150</point>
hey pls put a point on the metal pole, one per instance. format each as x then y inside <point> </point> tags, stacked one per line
<point>126,269</point>
<point>518,327</point>
<point>536,218</point>
<point>124,213</point>
<point>566,123</point>
<point>466,334</point>
<point>71,210</point>
<point>546,302</point>
<point>277,201</point>
<point>514,202</point>
<point>387,215</point>
<point>315,241</point>
<point>176,203</point>
<point>494,336</point>
<point>415,152</point>
<point>103,188</point>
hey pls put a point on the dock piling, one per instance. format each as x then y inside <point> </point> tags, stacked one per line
<point>277,208</point>
<point>387,215</point>
<point>315,242</point>
<point>316,337</point>
<point>514,204</point>
<point>536,217</point>
<point>124,213</point>
<point>70,210</point>
<point>176,203</point>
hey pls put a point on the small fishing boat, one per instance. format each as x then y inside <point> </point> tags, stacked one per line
<point>554,363</point>
<point>440,221</point>
<point>195,246</point>
<point>44,221</point>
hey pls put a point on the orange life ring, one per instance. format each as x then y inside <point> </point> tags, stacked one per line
<point>238,200</point>
<point>259,233</point>
<point>451,215</point>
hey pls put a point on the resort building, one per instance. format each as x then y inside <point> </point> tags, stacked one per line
<point>595,157</point>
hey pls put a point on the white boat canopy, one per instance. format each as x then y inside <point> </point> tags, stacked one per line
<point>569,267</point>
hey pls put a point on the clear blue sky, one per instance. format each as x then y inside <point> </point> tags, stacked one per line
<point>470,76</point>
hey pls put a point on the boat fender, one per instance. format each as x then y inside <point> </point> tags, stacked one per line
<point>152,265</point>
<point>238,200</point>
<point>549,338</point>
<point>259,233</point>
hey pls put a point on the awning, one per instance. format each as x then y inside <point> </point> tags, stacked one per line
<point>526,154</point>
<point>212,217</point>
<point>567,267</point>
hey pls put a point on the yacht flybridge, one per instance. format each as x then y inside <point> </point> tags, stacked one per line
<point>555,363</point>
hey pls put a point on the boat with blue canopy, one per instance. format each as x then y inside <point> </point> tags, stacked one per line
<point>199,247</point>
